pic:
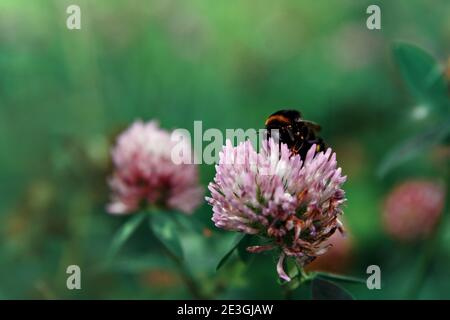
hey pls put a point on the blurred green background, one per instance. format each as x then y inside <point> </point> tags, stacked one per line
<point>65,95</point>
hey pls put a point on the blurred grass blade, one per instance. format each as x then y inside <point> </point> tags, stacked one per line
<point>124,233</point>
<point>225,258</point>
<point>413,147</point>
<point>164,228</point>
<point>326,290</point>
<point>423,75</point>
<point>338,277</point>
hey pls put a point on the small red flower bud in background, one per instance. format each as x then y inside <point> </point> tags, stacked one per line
<point>412,209</point>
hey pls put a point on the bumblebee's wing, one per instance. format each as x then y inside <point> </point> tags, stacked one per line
<point>312,125</point>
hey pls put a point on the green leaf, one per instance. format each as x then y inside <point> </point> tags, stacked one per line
<point>246,241</point>
<point>338,277</point>
<point>124,233</point>
<point>225,258</point>
<point>326,290</point>
<point>189,222</point>
<point>423,75</point>
<point>413,147</point>
<point>164,228</point>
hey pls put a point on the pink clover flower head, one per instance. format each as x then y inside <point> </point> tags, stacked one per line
<point>292,202</point>
<point>146,175</point>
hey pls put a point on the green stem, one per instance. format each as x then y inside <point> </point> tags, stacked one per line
<point>287,293</point>
<point>186,276</point>
<point>299,279</point>
<point>425,264</point>
<point>430,250</point>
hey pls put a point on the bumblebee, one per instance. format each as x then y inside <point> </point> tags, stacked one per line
<point>298,134</point>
